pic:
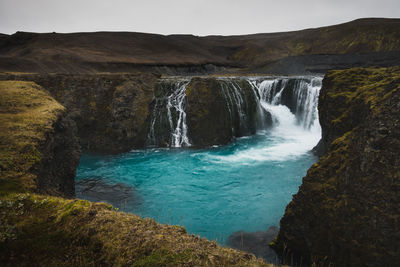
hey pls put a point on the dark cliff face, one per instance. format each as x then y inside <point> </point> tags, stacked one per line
<point>207,115</point>
<point>213,117</point>
<point>110,110</point>
<point>130,110</point>
<point>60,158</point>
<point>346,211</point>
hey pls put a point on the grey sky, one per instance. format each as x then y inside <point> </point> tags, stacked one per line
<point>199,17</point>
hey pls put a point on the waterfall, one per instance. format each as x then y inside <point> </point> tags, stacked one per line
<point>281,105</point>
<point>301,99</point>
<point>177,101</point>
<point>171,104</point>
<point>291,106</point>
<point>307,101</point>
<point>238,103</point>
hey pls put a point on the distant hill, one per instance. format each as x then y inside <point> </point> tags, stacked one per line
<point>373,41</point>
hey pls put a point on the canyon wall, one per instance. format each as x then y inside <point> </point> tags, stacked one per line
<point>115,113</point>
<point>346,212</point>
<point>110,110</point>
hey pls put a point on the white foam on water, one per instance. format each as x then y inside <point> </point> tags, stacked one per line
<point>291,135</point>
<point>288,138</point>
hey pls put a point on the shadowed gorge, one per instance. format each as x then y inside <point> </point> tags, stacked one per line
<point>215,191</point>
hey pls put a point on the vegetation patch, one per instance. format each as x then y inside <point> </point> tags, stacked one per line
<point>56,231</point>
<point>27,114</point>
<point>346,210</point>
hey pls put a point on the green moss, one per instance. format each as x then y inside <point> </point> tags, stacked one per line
<point>343,140</point>
<point>73,208</point>
<point>352,186</point>
<point>368,85</point>
<point>358,90</point>
<point>56,231</point>
<point>92,105</point>
<point>27,114</point>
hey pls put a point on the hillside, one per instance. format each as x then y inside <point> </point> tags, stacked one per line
<point>356,43</point>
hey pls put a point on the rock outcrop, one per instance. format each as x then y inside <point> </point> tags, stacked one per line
<point>346,212</point>
<point>213,116</point>
<point>110,110</point>
<point>60,159</point>
<point>39,148</point>
<point>207,115</point>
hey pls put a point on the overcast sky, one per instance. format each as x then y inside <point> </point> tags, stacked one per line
<point>198,17</point>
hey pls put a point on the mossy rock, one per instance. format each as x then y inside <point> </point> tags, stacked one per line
<point>43,230</point>
<point>346,212</point>
<point>27,116</point>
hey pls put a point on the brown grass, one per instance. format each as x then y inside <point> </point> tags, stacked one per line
<point>27,114</point>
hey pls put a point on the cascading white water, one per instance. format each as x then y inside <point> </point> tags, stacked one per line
<point>305,92</point>
<point>235,101</point>
<point>289,104</point>
<point>294,131</point>
<point>177,101</point>
<point>307,101</point>
<point>174,104</point>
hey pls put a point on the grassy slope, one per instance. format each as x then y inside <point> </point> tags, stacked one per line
<point>45,230</point>
<point>55,231</point>
<point>360,36</point>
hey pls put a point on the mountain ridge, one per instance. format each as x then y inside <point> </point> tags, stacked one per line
<point>131,51</point>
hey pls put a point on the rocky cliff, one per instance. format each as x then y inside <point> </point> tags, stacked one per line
<point>110,110</point>
<point>346,212</point>
<point>211,118</point>
<point>39,148</point>
<point>207,115</point>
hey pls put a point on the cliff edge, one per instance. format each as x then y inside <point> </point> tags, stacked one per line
<point>39,148</point>
<point>346,212</point>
